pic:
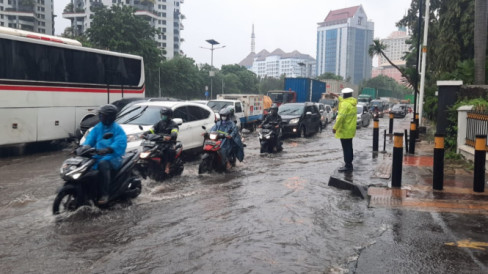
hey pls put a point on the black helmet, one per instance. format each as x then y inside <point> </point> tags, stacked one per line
<point>273,109</point>
<point>166,112</point>
<point>107,114</point>
<point>225,112</point>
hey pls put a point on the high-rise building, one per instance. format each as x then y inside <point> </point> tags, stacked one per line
<point>163,15</point>
<point>396,46</point>
<point>278,62</point>
<point>343,40</point>
<point>36,16</point>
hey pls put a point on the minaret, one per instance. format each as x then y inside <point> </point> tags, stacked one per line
<point>253,38</point>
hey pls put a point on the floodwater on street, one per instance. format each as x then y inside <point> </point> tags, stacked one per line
<point>270,214</point>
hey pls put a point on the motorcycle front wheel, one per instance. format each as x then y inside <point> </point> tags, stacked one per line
<point>66,200</point>
<point>205,165</point>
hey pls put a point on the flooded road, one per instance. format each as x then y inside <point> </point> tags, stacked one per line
<point>271,214</point>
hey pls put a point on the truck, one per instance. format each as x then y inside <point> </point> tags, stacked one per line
<point>298,90</point>
<point>336,86</point>
<point>369,91</point>
<point>248,108</point>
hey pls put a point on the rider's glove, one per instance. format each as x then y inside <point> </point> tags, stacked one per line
<point>104,151</point>
<point>81,149</point>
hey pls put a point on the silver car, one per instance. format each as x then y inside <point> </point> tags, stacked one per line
<point>326,114</point>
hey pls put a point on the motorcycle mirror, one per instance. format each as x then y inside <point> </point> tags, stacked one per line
<point>178,121</point>
<point>108,135</point>
<point>140,127</point>
<point>204,127</point>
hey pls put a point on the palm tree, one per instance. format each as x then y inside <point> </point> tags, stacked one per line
<point>378,48</point>
<point>480,32</point>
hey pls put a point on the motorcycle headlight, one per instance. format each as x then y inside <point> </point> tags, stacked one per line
<point>294,121</point>
<point>213,136</point>
<point>76,175</point>
<point>145,154</point>
<point>133,137</point>
<point>268,137</point>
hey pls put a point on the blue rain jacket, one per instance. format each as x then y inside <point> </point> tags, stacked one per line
<point>234,144</point>
<point>118,143</point>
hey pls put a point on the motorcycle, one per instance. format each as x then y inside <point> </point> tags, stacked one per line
<point>212,155</point>
<point>151,164</point>
<point>268,137</point>
<point>82,182</point>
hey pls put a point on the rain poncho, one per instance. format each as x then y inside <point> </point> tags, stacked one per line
<point>230,145</point>
<point>345,125</point>
<point>118,143</point>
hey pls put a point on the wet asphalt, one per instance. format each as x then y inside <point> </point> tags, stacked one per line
<point>274,213</point>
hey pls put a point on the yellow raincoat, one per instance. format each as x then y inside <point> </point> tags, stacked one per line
<point>345,125</point>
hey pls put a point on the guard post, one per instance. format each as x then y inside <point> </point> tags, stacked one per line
<point>390,129</point>
<point>413,136</point>
<point>376,134</point>
<point>396,168</point>
<point>479,163</point>
<point>438,180</point>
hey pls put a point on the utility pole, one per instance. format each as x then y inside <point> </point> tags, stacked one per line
<point>424,57</point>
<point>212,42</point>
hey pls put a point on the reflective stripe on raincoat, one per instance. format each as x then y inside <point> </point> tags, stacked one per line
<point>346,120</point>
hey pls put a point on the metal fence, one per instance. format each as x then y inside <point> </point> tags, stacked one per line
<point>477,124</point>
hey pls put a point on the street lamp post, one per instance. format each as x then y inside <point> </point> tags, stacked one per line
<point>212,42</point>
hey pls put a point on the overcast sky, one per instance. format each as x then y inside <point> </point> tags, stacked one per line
<point>285,24</point>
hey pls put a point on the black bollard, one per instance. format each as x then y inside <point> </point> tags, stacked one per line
<point>390,129</point>
<point>416,125</point>
<point>413,136</point>
<point>438,183</point>
<point>479,163</point>
<point>376,134</point>
<point>396,168</point>
<point>384,141</point>
<point>406,141</point>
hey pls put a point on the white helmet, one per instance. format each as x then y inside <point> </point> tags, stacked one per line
<point>347,90</point>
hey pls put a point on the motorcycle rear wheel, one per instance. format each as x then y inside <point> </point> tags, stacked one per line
<point>67,199</point>
<point>135,188</point>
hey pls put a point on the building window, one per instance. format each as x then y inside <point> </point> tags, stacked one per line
<point>360,20</point>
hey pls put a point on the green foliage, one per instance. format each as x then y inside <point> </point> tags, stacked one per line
<point>118,29</point>
<point>180,78</point>
<point>451,131</point>
<point>329,76</point>
<point>266,84</point>
<point>386,83</point>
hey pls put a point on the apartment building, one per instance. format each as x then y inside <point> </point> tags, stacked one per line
<point>396,47</point>
<point>163,15</point>
<point>277,63</point>
<point>29,15</point>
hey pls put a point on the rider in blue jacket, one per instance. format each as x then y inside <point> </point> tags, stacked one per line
<point>109,150</point>
<point>233,143</point>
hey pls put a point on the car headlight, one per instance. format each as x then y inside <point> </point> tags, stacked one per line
<point>294,121</point>
<point>133,137</point>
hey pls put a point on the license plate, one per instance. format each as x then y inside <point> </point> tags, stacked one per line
<point>148,143</point>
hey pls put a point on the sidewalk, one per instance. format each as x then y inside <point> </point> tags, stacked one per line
<point>371,180</point>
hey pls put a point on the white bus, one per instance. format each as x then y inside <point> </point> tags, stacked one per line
<point>48,85</point>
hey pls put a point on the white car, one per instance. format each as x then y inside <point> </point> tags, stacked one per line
<point>190,117</point>
<point>326,114</point>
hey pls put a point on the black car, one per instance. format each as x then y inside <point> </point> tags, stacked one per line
<point>300,119</point>
<point>399,110</point>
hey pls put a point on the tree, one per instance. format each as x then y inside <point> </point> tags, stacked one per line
<point>378,48</point>
<point>181,78</point>
<point>330,76</point>
<point>480,32</point>
<point>118,29</point>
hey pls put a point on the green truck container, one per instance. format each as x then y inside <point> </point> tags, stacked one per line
<point>369,91</point>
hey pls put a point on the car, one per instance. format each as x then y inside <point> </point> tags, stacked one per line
<point>300,119</point>
<point>381,105</point>
<point>217,105</point>
<point>364,116</point>
<point>326,115</point>
<point>191,117</point>
<point>399,110</point>
<point>91,121</point>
